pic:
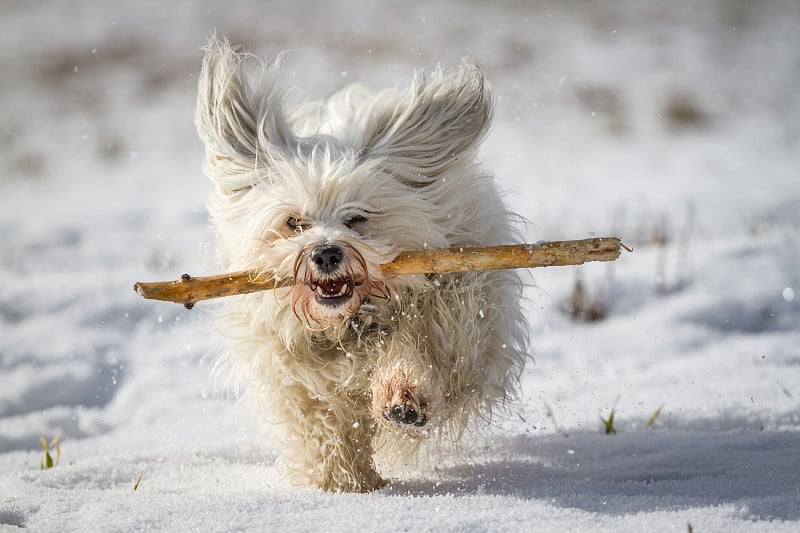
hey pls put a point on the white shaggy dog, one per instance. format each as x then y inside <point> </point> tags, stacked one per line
<point>348,364</point>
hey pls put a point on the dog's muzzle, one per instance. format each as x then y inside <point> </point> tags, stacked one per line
<point>331,285</point>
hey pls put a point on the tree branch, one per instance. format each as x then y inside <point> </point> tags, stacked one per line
<point>189,290</point>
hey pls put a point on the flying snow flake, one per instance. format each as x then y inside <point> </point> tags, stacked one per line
<point>788,294</point>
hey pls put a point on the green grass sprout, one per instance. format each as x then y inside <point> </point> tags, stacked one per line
<point>608,423</point>
<point>55,445</point>
<point>653,417</point>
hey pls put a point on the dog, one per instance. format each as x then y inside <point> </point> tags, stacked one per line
<point>349,367</point>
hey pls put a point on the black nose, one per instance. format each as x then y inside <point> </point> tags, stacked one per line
<point>327,257</point>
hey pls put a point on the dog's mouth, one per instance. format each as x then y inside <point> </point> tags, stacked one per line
<point>335,285</point>
<point>333,292</point>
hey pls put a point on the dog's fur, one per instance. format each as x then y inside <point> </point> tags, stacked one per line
<point>347,363</point>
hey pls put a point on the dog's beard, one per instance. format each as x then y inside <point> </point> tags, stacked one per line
<point>327,294</point>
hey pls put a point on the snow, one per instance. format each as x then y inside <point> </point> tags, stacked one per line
<point>639,119</point>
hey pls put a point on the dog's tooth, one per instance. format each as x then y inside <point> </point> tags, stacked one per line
<point>328,290</point>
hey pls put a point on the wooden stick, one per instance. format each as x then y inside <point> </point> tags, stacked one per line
<point>189,290</point>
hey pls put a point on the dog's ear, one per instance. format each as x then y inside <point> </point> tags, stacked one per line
<point>433,126</point>
<point>240,120</point>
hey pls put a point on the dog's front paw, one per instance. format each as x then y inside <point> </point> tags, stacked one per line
<point>407,413</point>
<point>400,402</point>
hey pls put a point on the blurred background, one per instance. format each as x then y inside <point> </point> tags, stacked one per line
<point>589,94</point>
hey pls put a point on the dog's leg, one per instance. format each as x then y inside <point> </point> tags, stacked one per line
<point>453,355</point>
<point>405,387</point>
<point>327,443</point>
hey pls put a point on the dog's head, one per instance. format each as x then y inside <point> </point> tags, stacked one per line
<point>327,192</point>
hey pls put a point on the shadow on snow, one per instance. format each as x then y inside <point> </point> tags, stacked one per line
<point>756,472</point>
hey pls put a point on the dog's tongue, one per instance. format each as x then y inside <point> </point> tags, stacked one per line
<point>333,287</point>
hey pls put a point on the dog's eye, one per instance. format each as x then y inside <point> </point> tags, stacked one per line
<point>353,220</point>
<point>297,225</point>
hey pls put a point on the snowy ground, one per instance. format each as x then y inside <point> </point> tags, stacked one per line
<point>674,126</point>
